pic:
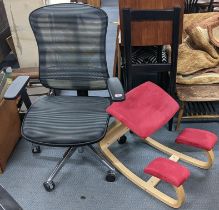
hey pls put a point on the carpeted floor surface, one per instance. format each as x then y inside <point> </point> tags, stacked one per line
<point>81,184</point>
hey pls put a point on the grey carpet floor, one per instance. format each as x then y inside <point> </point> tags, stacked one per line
<point>80,185</point>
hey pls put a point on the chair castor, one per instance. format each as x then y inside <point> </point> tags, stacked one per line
<point>49,186</point>
<point>122,139</point>
<point>111,176</point>
<point>36,149</point>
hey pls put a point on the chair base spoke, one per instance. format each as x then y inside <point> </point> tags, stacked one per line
<point>104,162</point>
<point>49,184</point>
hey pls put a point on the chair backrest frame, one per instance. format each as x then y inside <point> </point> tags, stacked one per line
<point>71,41</point>
<point>141,69</point>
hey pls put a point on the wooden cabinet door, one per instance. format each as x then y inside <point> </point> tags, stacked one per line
<point>152,32</point>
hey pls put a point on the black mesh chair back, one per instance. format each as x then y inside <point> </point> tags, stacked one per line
<point>71,43</point>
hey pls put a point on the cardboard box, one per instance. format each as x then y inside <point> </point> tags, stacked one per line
<point>23,38</point>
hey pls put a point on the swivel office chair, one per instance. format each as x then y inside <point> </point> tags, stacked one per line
<point>71,41</point>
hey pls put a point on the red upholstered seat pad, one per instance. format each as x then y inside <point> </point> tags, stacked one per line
<point>197,138</point>
<point>168,171</point>
<point>146,109</point>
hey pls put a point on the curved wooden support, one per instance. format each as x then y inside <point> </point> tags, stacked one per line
<point>194,161</point>
<point>115,131</point>
<point>147,186</point>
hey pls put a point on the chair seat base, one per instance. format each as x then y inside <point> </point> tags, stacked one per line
<point>49,184</point>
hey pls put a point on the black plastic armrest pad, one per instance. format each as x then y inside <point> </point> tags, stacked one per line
<point>115,89</point>
<point>17,86</point>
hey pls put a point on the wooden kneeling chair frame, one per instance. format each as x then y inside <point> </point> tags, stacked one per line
<point>116,130</point>
<point>143,113</point>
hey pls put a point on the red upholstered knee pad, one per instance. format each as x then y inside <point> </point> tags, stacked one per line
<point>146,109</point>
<point>197,138</point>
<point>168,171</point>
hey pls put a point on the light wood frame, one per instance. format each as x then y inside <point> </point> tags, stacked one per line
<point>116,130</point>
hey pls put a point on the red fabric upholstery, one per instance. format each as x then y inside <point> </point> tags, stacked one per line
<point>168,171</point>
<point>197,138</point>
<point>146,109</point>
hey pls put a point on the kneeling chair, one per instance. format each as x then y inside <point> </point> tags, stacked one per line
<point>145,110</point>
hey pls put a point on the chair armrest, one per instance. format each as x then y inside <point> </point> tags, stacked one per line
<point>16,88</point>
<point>115,89</point>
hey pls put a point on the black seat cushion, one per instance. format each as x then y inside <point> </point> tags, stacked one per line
<point>66,120</point>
